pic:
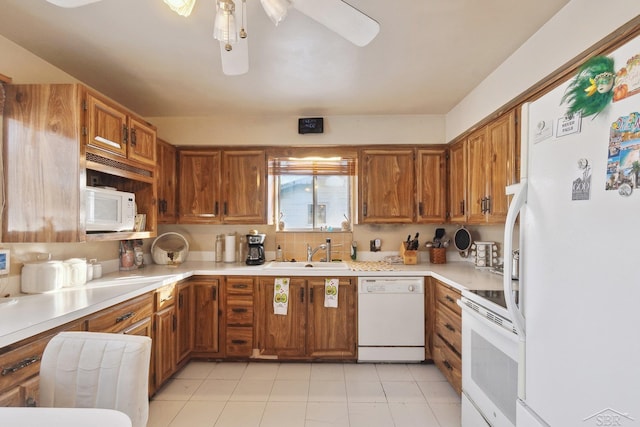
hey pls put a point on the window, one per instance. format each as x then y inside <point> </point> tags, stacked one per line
<point>312,193</point>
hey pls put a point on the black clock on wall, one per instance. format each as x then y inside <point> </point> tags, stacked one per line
<point>310,125</point>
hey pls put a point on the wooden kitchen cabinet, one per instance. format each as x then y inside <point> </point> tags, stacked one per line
<point>239,314</point>
<point>186,321</point>
<point>118,318</point>
<point>331,331</point>
<point>165,331</point>
<point>226,186</point>
<point>115,133</point>
<point>207,315</point>
<point>167,180</point>
<point>42,164</point>
<point>457,172</point>
<point>447,338</point>
<point>387,186</point>
<point>491,154</point>
<point>431,184</point>
<point>309,330</point>
<point>244,187</point>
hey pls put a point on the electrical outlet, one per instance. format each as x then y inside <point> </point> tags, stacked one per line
<point>94,181</point>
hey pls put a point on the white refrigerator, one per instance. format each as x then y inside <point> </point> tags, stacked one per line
<point>579,235</point>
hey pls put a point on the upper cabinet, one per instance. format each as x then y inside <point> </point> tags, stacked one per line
<point>167,182</point>
<point>492,152</point>
<point>48,162</point>
<point>430,185</point>
<point>387,186</point>
<point>402,185</point>
<point>227,186</point>
<point>457,182</point>
<point>42,164</point>
<point>116,133</point>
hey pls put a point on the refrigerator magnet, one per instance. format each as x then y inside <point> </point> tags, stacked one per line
<point>581,187</point>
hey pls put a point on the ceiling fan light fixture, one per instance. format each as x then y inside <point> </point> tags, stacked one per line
<point>276,10</point>
<point>181,7</point>
<point>224,27</point>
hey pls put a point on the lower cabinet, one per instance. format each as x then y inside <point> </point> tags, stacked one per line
<point>207,315</point>
<point>309,330</point>
<point>165,331</point>
<point>186,321</point>
<point>239,315</point>
<point>447,337</point>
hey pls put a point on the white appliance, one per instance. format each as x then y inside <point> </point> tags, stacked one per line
<point>391,319</point>
<point>489,361</point>
<point>579,282</point>
<point>109,210</point>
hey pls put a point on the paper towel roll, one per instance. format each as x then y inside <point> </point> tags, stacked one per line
<point>230,248</point>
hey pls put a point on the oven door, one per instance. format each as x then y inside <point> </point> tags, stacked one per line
<point>489,370</point>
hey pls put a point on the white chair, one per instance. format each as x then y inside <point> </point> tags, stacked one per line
<point>97,370</point>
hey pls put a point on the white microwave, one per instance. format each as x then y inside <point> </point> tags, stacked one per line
<point>109,210</point>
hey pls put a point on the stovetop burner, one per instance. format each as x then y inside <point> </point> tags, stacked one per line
<point>496,297</point>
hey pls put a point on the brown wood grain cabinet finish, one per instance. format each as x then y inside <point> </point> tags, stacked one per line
<point>387,186</point>
<point>430,185</point>
<point>447,337</point>
<point>186,321</point>
<point>43,168</point>
<point>199,189</point>
<point>206,306</point>
<point>244,187</point>
<point>240,316</point>
<point>309,330</point>
<point>457,184</point>
<point>167,182</point>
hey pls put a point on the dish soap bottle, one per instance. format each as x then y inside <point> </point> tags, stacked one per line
<point>279,254</point>
<point>354,250</point>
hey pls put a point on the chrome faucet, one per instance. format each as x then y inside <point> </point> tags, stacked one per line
<point>325,247</point>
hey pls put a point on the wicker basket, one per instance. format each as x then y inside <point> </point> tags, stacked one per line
<point>438,255</point>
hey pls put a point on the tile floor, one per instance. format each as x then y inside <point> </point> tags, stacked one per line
<point>255,394</point>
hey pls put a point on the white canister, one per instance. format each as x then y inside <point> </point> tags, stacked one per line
<point>76,272</point>
<point>97,271</point>
<point>44,276</point>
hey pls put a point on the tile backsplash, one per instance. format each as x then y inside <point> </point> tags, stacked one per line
<point>294,244</point>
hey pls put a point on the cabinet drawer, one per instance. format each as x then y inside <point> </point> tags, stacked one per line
<point>449,327</point>
<point>239,341</point>
<point>11,397</point>
<point>165,296</point>
<point>120,317</point>
<point>448,297</point>
<point>239,286</point>
<point>240,310</point>
<point>448,362</point>
<point>18,365</point>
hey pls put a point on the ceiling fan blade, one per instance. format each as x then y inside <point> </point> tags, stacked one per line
<point>72,3</point>
<point>342,18</point>
<point>236,61</point>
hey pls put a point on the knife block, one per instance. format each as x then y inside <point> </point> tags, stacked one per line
<point>409,257</point>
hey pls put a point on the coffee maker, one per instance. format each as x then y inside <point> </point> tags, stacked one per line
<point>255,255</point>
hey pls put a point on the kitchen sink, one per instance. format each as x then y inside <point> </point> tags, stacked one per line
<point>295,265</point>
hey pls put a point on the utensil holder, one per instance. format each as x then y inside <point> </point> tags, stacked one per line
<point>409,257</point>
<point>438,255</point>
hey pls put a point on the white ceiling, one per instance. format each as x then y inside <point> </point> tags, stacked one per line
<point>428,55</point>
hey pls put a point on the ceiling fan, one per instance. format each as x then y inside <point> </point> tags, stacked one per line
<point>340,17</point>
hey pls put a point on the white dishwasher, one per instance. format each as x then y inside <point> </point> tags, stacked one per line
<point>391,319</point>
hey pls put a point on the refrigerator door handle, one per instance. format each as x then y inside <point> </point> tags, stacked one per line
<point>517,203</point>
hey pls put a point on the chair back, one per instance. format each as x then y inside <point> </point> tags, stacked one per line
<point>97,370</point>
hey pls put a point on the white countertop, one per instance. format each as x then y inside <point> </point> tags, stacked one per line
<point>33,314</point>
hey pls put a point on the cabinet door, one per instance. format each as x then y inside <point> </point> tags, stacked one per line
<point>31,392</point>
<point>42,164</point>
<point>458,182</point>
<point>166,182</point>
<point>479,173</point>
<point>165,344</point>
<point>332,331</point>
<point>502,143</point>
<point>431,185</point>
<point>186,321</point>
<point>199,196</point>
<point>12,397</point>
<point>244,187</point>
<point>142,141</point>
<point>106,126</point>
<point>283,335</point>
<point>387,186</point>
<point>206,315</point>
